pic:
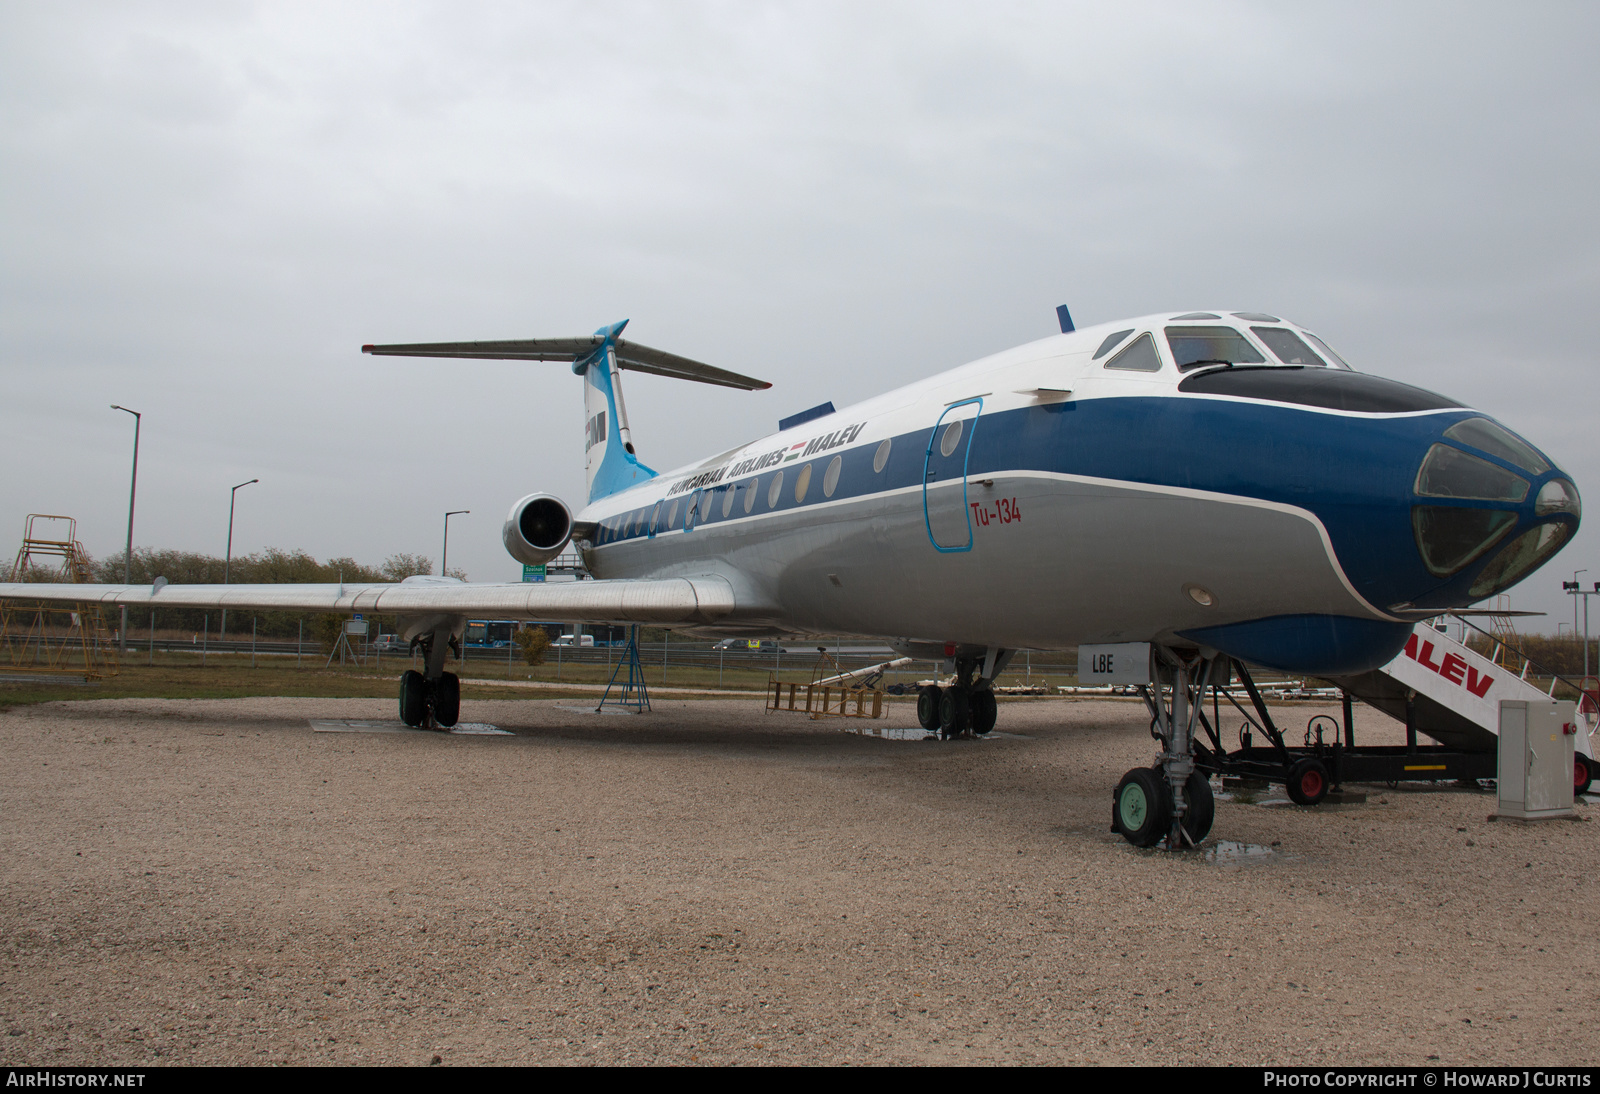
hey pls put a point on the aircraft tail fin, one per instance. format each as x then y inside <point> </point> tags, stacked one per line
<point>609,459</point>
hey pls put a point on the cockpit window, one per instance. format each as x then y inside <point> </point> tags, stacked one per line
<point>1451,473</point>
<point>1327,350</point>
<point>1193,347</point>
<point>1141,356</point>
<point>1256,317</point>
<point>1286,345</point>
<point>1486,436</point>
<point>1112,342</point>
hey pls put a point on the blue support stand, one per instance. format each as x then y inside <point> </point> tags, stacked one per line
<point>633,695</point>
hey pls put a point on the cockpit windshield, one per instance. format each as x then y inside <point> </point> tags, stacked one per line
<point>1327,350</point>
<point>1287,346</point>
<point>1196,347</point>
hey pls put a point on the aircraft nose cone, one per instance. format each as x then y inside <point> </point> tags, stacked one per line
<point>1489,509</point>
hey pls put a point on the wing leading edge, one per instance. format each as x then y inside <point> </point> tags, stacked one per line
<point>656,601</point>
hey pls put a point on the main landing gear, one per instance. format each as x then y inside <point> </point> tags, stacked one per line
<point>431,699</point>
<point>966,706</point>
<point>1170,802</point>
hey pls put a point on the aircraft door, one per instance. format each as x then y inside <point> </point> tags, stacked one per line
<point>944,508</point>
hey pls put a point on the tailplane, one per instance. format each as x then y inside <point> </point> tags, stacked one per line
<point>609,459</point>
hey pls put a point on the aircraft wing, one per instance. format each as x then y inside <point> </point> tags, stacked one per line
<point>660,601</point>
<point>630,355</point>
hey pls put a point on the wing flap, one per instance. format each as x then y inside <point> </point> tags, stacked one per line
<point>656,601</point>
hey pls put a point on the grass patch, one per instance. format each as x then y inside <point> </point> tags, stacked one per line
<point>175,675</point>
<point>225,676</point>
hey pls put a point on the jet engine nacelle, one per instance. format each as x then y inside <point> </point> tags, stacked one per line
<point>537,528</point>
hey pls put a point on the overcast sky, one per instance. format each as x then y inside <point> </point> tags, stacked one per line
<point>206,209</point>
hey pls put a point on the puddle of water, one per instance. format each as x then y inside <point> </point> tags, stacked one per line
<point>363,725</point>
<point>1233,853</point>
<point>888,733</point>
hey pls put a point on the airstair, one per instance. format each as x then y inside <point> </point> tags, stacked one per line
<point>1441,687</point>
<point>1437,687</point>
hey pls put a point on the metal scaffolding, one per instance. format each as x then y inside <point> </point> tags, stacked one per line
<point>52,637</point>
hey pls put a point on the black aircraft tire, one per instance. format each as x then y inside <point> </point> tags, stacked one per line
<point>447,700</point>
<point>1202,811</point>
<point>1582,773</point>
<point>928,709</point>
<point>985,711</point>
<point>1142,807</point>
<point>1308,781</point>
<point>953,711</point>
<point>413,698</point>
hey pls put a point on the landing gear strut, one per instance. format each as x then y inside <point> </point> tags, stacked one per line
<point>431,700</point>
<point>1171,802</point>
<point>968,704</point>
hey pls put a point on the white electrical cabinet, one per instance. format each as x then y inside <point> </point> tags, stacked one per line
<point>1536,761</point>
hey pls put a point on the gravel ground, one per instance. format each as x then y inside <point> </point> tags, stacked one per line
<point>209,881</point>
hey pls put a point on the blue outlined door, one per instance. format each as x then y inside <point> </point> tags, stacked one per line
<point>945,511</point>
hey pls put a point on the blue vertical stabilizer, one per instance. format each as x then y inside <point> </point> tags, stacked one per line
<point>609,461</point>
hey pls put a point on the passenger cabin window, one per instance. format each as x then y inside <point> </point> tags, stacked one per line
<point>880,459</point>
<point>1141,356</point>
<point>1197,347</point>
<point>1287,347</point>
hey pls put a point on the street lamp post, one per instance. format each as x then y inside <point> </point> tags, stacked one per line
<point>1574,585</point>
<point>227,563</point>
<point>444,553</point>
<point>127,557</point>
<point>1575,589</point>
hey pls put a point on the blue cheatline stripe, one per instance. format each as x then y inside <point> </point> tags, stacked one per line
<point>1355,474</point>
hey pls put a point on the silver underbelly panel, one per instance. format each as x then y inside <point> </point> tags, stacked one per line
<point>1084,561</point>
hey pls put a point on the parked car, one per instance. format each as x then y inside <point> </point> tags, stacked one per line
<point>569,640</point>
<point>759,645</point>
<point>391,643</point>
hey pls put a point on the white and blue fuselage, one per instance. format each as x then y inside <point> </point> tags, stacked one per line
<point>1205,479</point>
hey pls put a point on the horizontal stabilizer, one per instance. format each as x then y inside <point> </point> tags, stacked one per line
<point>630,355</point>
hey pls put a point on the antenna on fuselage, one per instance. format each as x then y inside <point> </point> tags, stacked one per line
<point>1065,319</point>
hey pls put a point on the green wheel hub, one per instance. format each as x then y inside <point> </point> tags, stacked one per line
<point>1133,807</point>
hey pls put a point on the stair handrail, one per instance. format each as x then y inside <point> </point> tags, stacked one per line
<point>1526,660</point>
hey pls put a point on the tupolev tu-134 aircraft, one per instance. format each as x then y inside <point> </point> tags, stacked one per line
<point>1219,485</point>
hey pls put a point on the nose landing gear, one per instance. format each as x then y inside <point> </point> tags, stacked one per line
<point>1170,802</point>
